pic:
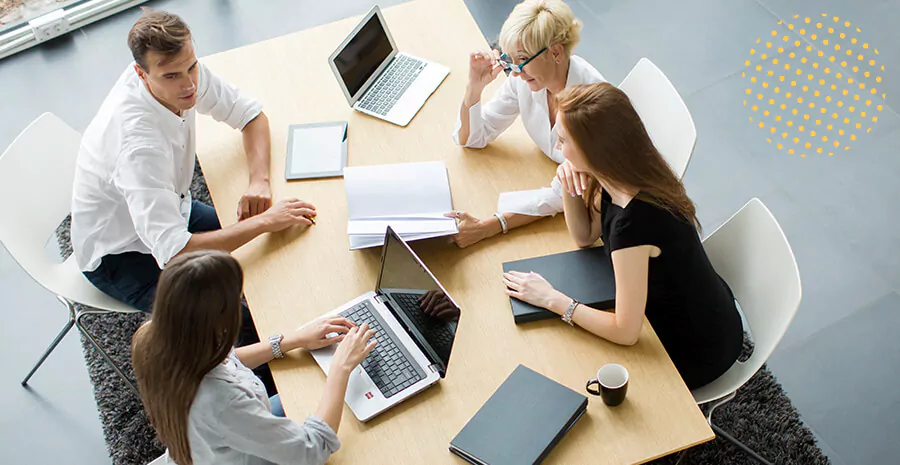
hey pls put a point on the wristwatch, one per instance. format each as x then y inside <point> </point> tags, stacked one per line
<point>570,311</point>
<point>275,342</point>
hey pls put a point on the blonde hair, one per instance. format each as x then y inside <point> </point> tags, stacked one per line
<point>535,24</point>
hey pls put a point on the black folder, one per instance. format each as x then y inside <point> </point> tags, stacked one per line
<point>585,275</point>
<point>521,422</point>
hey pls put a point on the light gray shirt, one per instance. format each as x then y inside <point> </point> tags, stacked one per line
<point>230,423</point>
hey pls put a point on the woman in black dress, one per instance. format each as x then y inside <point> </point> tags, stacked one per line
<point>621,190</point>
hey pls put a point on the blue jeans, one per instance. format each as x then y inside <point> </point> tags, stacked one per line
<point>275,406</point>
<point>131,277</point>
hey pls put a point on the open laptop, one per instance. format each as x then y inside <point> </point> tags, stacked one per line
<point>377,79</point>
<point>415,322</point>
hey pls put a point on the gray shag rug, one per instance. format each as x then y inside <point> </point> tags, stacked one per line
<point>761,415</point>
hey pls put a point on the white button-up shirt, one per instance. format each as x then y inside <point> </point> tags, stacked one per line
<point>488,121</point>
<point>134,169</point>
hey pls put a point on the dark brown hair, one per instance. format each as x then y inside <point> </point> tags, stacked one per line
<point>194,325</point>
<point>604,126</point>
<point>157,31</point>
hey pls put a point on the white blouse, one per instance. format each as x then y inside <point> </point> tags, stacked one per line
<point>488,121</point>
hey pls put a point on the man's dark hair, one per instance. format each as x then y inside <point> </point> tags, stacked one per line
<point>157,31</point>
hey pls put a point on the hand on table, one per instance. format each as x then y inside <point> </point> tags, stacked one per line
<point>287,213</point>
<point>530,287</point>
<point>314,335</point>
<point>574,182</point>
<point>471,229</point>
<point>256,200</point>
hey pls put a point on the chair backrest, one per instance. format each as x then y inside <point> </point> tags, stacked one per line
<point>36,176</point>
<point>37,172</point>
<point>663,112</point>
<point>162,459</point>
<point>751,253</point>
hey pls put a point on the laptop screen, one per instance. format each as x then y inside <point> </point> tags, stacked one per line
<point>363,55</point>
<point>418,301</point>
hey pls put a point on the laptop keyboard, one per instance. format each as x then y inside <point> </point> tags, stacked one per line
<point>389,364</point>
<point>437,334</point>
<point>390,86</point>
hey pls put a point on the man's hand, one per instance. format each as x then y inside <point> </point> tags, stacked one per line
<point>256,200</point>
<point>287,213</point>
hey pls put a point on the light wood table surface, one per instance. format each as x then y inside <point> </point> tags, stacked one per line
<point>294,276</point>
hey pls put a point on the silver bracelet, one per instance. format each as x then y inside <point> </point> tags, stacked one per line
<point>570,312</point>
<point>503,225</point>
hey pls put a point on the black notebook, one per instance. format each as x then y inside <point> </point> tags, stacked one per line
<point>521,422</point>
<point>585,275</point>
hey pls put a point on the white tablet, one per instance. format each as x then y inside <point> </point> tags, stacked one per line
<point>316,150</point>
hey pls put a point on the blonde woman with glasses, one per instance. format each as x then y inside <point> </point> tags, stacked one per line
<point>538,39</point>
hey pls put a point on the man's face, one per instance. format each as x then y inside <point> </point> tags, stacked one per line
<point>172,81</point>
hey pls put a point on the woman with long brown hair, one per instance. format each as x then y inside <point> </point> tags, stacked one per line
<point>635,203</point>
<point>198,390</point>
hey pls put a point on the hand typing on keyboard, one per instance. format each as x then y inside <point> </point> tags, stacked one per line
<point>319,333</point>
<point>353,349</point>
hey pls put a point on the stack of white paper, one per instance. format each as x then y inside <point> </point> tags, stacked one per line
<point>410,197</point>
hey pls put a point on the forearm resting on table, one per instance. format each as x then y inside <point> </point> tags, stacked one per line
<point>229,238</point>
<point>513,221</point>
<point>257,145</point>
<point>599,322</point>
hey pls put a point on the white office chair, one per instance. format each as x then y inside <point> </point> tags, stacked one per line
<point>162,459</point>
<point>663,112</point>
<point>36,176</point>
<point>751,253</point>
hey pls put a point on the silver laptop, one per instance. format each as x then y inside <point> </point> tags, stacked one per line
<point>377,79</point>
<point>415,323</point>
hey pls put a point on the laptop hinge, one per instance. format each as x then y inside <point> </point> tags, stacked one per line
<point>381,299</point>
<point>433,367</point>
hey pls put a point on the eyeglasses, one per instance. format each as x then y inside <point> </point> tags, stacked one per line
<point>509,66</point>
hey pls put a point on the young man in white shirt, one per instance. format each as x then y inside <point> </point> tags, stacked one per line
<point>132,210</point>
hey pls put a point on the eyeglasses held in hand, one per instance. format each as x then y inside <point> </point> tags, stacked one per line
<point>510,67</point>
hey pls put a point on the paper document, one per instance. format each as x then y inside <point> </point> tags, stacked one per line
<point>410,197</point>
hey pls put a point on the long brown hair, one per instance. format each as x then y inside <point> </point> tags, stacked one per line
<point>605,127</point>
<point>194,325</point>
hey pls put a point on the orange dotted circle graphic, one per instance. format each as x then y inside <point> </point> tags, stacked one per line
<point>814,87</point>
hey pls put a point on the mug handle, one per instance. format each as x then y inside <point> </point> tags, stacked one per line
<point>588,387</point>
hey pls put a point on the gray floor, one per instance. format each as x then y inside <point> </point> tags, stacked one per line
<point>837,211</point>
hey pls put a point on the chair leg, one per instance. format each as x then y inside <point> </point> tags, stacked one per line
<point>103,353</point>
<point>721,433</point>
<point>59,337</point>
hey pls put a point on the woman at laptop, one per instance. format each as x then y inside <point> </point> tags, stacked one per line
<point>198,391</point>
<point>649,226</point>
<point>538,38</point>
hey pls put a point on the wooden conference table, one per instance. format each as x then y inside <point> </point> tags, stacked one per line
<point>294,276</point>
